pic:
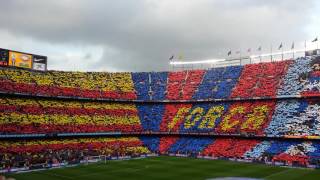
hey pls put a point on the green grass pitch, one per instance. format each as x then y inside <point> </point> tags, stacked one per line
<point>157,168</point>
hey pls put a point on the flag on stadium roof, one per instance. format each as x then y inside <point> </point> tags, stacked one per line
<point>292,46</point>
<point>259,48</point>
<point>316,39</point>
<point>280,46</point>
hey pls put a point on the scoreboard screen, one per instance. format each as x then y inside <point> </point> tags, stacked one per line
<point>4,55</point>
<point>22,60</point>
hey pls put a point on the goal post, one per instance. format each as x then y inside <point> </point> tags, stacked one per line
<point>95,159</point>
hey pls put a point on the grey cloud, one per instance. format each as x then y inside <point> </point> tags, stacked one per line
<point>144,33</point>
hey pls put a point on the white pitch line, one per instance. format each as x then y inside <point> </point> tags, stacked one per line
<point>276,173</point>
<point>89,174</point>
<point>57,175</point>
<point>117,170</point>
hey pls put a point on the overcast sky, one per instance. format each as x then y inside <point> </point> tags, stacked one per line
<point>140,35</point>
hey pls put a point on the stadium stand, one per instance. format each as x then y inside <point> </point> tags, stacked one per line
<point>182,85</point>
<point>260,80</point>
<point>190,145</point>
<point>293,81</point>
<point>229,147</point>
<point>295,118</point>
<point>158,85</point>
<point>218,83</point>
<point>26,152</point>
<point>150,116</point>
<point>150,86</point>
<point>286,151</point>
<point>27,116</point>
<point>289,77</point>
<point>165,143</point>
<point>70,84</point>
<point>265,112</point>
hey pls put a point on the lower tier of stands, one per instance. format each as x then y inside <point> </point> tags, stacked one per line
<point>22,153</point>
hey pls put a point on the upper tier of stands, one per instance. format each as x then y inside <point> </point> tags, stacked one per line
<point>296,78</point>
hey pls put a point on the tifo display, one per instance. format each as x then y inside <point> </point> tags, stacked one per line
<point>265,112</point>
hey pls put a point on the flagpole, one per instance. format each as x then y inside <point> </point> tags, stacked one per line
<point>171,60</point>
<point>260,57</point>
<point>293,51</point>
<point>271,53</point>
<point>260,54</point>
<point>292,47</point>
<point>293,54</point>
<point>240,56</point>
<point>281,53</point>
<point>305,47</point>
<point>249,52</point>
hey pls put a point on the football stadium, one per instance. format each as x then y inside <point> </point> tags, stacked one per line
<point>248,120</point>
<point>250,114</point>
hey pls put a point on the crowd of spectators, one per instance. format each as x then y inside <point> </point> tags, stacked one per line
<point>281,118</point>
<point>42,152</point>
<point>289,152</point>
<point>28,116</point>
<point>289,77</point>
<point>150,85</point>
<point>260,80</point>
<point>218,83</point>
<point>298,118</point>
<point>69,84</point>
<point>295,118</point>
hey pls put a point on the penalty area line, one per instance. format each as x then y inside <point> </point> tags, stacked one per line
<point>114,171</point>
<point>277,173</point>
<point>55,175</point>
